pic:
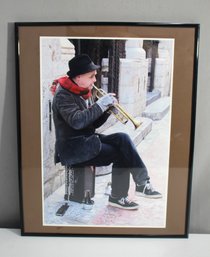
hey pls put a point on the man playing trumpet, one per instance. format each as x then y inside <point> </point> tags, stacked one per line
<point>77,143</point>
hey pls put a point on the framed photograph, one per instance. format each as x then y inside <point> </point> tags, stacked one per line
<point>148,71</point>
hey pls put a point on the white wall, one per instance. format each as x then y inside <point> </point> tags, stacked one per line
<point>196,11</point>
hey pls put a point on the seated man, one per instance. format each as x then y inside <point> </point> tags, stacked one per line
<point>77,143</point>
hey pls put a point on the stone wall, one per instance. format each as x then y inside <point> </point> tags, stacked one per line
<point>54,55</point>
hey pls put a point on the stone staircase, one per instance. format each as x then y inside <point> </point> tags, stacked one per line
<point>152,96</point>
<point>156,106</point>
<point>157,109</point>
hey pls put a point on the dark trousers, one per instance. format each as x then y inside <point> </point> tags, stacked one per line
<point>119,149</point>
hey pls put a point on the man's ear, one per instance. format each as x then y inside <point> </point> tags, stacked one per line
<point>77,78</point>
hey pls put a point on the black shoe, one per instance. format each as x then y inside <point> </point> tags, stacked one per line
<point>123,203</point>
<point>147,191</point>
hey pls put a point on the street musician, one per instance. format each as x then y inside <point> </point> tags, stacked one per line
<point>77,143</point>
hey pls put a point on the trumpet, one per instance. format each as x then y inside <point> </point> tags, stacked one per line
<point>117,110</point>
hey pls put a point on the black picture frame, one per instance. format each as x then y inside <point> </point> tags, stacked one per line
<point>29,113</point>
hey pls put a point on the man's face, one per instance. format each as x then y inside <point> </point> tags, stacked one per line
<point>86,80</point>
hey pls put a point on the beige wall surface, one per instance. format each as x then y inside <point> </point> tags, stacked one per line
<point>164,11</point>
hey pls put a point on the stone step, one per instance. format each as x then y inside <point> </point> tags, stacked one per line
<point>152,96</point>
<point>158,109</point>
<point>137,135</point>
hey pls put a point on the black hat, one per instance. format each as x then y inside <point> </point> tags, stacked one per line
<point>81,64</point>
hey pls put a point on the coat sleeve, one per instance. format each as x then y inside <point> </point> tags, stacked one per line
<point>101,120</point>
<point>73,113</point>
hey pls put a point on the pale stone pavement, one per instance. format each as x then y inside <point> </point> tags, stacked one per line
<point>152,212</point>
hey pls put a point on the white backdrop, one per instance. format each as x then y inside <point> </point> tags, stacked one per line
<point>179,11</point>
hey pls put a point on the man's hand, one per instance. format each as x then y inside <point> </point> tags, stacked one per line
<point>106,101</point>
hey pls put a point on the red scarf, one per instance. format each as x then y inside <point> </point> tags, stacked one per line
<point>67,83</point>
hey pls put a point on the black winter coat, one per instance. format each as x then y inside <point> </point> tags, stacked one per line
<point>75,124</point>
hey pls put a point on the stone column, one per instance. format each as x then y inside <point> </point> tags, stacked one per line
<point>163,71</point>
<point>133,78</point>
<point>104,72</point>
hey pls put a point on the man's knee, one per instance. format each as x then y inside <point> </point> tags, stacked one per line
<point>123,136</point>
